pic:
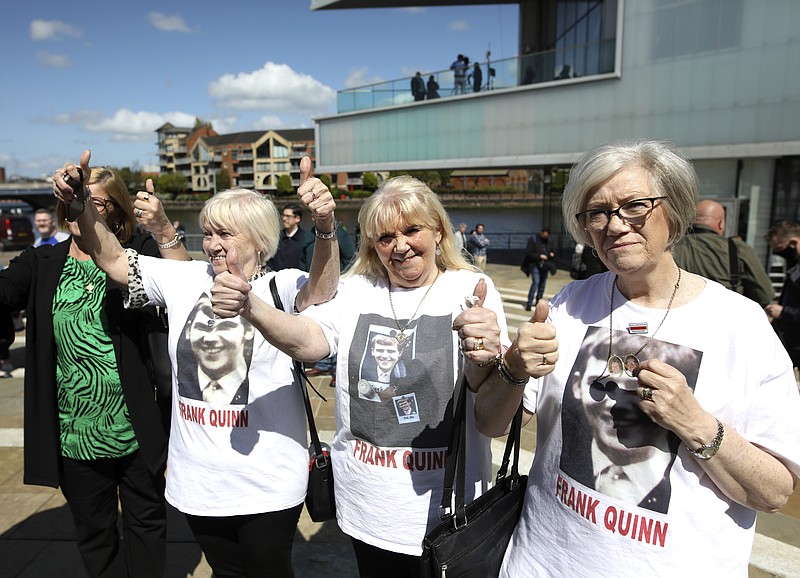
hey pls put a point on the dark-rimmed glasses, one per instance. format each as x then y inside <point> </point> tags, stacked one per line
<point>633,212</point>
<point>102,204</point>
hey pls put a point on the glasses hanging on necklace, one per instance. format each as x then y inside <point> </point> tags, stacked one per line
<point>615,365</point>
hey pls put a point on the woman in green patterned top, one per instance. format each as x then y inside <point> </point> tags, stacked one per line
<point>93,425</point>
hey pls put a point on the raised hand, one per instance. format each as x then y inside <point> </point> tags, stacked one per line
<point>67,179</point>
<point>231,291</point>
<point>536,347</point>
<point>313,193</point>
<point>477,328</point>
<point>149,213</point>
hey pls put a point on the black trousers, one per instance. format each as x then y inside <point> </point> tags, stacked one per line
<point>373,562</point>
<point>94,490</point>
<point>255,545</point>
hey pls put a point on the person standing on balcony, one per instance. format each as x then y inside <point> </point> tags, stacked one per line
<point>459,68</point>
<point>418,87</point>
<point>477,78</point>
<point>433,88</point>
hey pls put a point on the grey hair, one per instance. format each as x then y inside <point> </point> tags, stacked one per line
<point>671,175</point>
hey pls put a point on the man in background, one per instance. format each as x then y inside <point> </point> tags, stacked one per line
<point>477,245</point>
<point>294,240</point>
<point>784,237</point>
<point>706,251</point>
<point>46,228</point>
<point>538,263</point>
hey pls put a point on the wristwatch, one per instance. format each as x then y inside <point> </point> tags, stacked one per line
<point>707,451</point>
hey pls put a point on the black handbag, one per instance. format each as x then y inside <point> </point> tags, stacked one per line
<point>155,335</point>
<point>320,501</point>
<point>471,540</point>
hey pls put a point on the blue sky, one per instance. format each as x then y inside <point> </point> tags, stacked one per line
<point>104,75</point>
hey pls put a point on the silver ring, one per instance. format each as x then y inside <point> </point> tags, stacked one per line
<point>138,212</point>
<point>647,393</point>
<point>478,344</point>
<point>146,197</point>
<point>313,196</point>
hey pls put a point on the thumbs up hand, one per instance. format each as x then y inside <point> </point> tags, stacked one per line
<point>231,290</point>
<point>535,349</point>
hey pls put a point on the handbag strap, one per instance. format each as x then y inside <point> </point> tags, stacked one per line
<point>298,367</point>
<point>453,506</point>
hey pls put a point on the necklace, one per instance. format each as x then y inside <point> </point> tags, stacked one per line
<point>401,336</point>
<point>613,359</point>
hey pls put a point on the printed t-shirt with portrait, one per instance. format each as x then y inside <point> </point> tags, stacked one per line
<point>394,404</point>
<point>615,484</point>
<point>238,441</point>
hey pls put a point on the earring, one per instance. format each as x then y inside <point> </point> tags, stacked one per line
<point>438,250</point>
<point>594,252</point>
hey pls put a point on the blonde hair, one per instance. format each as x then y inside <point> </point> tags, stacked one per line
<point>246,212</point>
<point>403,201</point>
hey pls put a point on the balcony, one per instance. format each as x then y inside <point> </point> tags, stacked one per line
<point>552,66</point>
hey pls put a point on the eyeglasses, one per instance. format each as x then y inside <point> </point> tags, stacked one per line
<point>102,204</point>
<point>633,212</point>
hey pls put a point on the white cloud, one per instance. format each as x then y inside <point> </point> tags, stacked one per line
<point>167,23</point>
<point>459,25</point>
<point>125,124</point>
<point>272,88</point>
<point>223,124</point>
<point>53,30</point>
<point>359,77</point>
<point>53,60</point>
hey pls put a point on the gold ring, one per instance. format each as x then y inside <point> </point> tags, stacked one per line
<point>544,360</point>
<point>478,344</point>
<point>647,393</point>
<point>313,196</point>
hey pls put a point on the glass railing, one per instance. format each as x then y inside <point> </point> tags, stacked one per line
<point>554,65</point>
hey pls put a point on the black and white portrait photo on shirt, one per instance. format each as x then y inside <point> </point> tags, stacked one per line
<point>213,357</point>
<point>388,370</point>
<point>609,444</point>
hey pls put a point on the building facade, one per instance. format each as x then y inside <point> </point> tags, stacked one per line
<point>717,78</point>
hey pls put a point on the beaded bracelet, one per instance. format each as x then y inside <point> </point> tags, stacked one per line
<point>502,368</point>
<point>170,244</point>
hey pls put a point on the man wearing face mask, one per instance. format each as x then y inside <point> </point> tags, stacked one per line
<point>783,237</point>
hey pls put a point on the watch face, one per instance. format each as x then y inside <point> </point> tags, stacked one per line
<point>707,452</point>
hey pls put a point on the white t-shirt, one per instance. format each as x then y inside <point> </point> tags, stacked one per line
<point>661,515</point>
<point>391,439</point>
<point>245,451</point>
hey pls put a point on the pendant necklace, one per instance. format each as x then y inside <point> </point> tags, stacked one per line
<point>401,336</point>
<point>616,358</point>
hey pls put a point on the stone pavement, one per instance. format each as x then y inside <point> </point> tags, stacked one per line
<point>37,538</point>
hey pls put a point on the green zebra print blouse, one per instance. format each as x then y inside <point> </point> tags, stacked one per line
<point>94,420</point>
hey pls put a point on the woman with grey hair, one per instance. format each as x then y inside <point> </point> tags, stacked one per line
<point>238,464</point>
<point>677,453</point>
<point>443,320</point>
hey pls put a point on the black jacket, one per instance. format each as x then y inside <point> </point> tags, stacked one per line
<point>30,283</point>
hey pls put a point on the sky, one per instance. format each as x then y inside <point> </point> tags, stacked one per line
<point>105,74</point>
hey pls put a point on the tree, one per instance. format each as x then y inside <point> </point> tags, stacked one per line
<point>133,179</point>
<point>223,178</point>
<point>285,186</point>
<point>370,181</point>
<point>171,184</point>
<point>326,180</point>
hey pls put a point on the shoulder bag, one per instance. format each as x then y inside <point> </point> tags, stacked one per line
<point>320,501</point>
<point>471,540</point>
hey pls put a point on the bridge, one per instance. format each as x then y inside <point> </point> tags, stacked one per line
<point>37,194</point>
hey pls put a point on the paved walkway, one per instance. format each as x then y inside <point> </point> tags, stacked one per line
<point>37,539</point>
